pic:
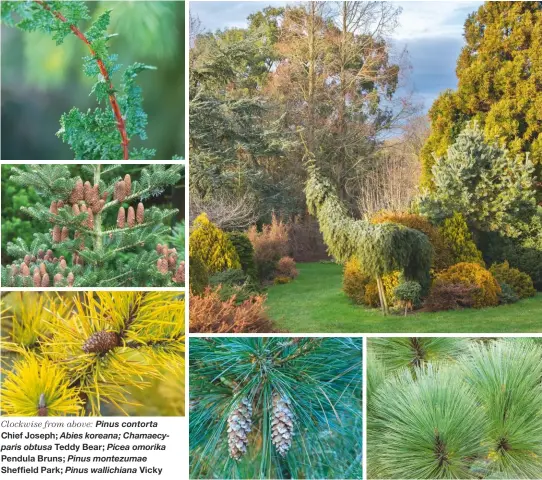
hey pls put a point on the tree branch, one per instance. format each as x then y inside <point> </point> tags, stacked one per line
<point>121,125</point>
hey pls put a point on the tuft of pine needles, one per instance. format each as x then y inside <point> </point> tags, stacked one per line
<point>307,390</point>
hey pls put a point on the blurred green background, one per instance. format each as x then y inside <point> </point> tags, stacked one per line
<point>41,80</point>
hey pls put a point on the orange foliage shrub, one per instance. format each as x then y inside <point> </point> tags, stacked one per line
<point>270,245</point>
<point>209,314</point>
<point>286,268</point>
<point>473,275</point>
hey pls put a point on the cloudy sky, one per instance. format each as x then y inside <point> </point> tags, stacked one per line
<point>431,31</point>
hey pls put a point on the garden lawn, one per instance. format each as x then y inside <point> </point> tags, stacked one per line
<point>315,302</point>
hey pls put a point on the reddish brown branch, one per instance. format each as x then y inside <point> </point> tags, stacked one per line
<point>121,125</point>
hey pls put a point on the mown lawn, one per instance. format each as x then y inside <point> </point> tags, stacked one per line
<point>315,303</point>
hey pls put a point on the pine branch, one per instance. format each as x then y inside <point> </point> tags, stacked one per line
<point>121,126</point>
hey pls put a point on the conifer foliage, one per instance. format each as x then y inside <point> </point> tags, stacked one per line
<point>380,249</point>
<point>454,408</point>
<point>103,133</point>
<point>91,353</point>
<point>78,247</point>
<point>275,407</point>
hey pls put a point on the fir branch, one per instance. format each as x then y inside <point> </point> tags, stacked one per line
<point>120,123</point>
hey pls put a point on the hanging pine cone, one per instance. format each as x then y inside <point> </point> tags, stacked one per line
<point>37,277</point>
<point>58,278</point>
<point>121,218</point>
<point>45,280</point>
<point>282,424</point>
<point>101,342</point>
<point>65,234</point>
<point>130,217</point>
<point>120,191</point>
<point>239,426</point>
<point>127,185</point>
<point>56,234</point>
<point>140,213</point>
<point>162,266</point>
<point>77,193</point>
<point>70,279</point>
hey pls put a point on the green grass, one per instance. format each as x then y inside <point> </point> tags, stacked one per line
<point>315,302</point>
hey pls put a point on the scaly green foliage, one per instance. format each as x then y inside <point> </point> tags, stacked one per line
<point>212,246</point>
<point>458,238</point>
<point>77,248</point>
<point>499,79</point>
<point>321,382</point>
<point>381,248</point>
<point>102,133</point>
<point>520,282</point>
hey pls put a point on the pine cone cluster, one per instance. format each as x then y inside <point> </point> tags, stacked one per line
<point>239,426</point>
<point>101,342</point>
<point>40,276</point>
<point>168,263</point>
<point>131,218</point>
<point>123,189</point>
<point>282,424</point>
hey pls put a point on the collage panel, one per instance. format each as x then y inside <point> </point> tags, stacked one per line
<point>328,195</point>
<point>276,407</point>
<point>93,225</point>
<point>88,80</point>
<point>454,407</point>
<point>98,353</point>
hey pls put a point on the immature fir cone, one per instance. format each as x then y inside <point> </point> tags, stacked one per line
<point>41,254</point>
<point>87,192</point>
<point>54,210</point>
<point>45,280</point>
<point>172,260</point>
<point>127,185</point>
<point>77,193</point>
<point>58,278</point>
<point>70,279</point>
<point>130,217</point>
<point>140,213</point>
<point>121,218</point>
<point>120,191</point>
<point>105,195</point>
<point>43,270</point>
<point>159,248</point>
<point>162,265</point>
<point>75,209</point>
<point>27,259</point>
<point>89,222</point>
<point>165,250</point>
<point>60,204</point>
<point>239,426</point>
<point>282,424</point>
<point>98,206</point>
<point>101,342</point>
<point>65,234</point>
<point>25,271</point>
<point>63,265</point>
<point>37,278</point>
<point>56,234</point>
<point>179,274</point>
